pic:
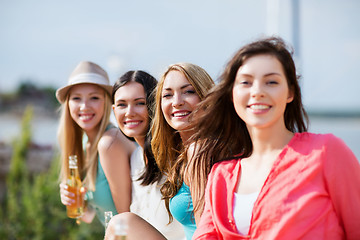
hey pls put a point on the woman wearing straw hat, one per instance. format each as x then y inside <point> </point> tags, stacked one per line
<point>103,152</point>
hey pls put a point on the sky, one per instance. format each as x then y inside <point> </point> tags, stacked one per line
<point>43,40</point>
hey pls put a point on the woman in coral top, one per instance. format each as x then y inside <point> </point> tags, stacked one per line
<point>270,178</point>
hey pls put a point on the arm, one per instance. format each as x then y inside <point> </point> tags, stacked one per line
<point>342,175</point>
<point>114,154</point>
<point>136,228</point>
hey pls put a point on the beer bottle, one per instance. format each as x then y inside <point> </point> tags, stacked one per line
<point>121,228</point>
<point>76,209</point>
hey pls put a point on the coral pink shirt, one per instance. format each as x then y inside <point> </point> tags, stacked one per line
<point>312,192</point>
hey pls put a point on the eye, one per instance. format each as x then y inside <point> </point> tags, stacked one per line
<point>167,95</point>
<point>271,82</point>
<point>121,105</point>
<point>245,83</point>
<point>190,91</point>
<point>141,103</point>
<point>95,98</point>
<point>74,98</point>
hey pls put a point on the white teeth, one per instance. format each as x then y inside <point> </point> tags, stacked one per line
<point>259,107</point>
<point>181,114</point>
<point>132,123</point>
<point>85,117</point>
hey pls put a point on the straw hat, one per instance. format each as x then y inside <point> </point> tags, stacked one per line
<point>85,72</point>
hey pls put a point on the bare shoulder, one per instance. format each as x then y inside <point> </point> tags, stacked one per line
<point>115,139</point>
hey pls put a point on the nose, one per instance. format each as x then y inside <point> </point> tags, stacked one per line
<point>130,111</point>
<point>177,100</point>
<point>83,105</point>
<point>257,90</point>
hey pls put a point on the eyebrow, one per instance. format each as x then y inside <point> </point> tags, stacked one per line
<point>182,87</point>
<point>136,99</point>
<point>91,93</point>
<point>273,73</point>
<point>266,75</point>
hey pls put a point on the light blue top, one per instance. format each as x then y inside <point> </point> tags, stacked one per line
<point>101,200</point>
<point>181,207</point>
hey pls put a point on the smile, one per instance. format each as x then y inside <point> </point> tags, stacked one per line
<point>259,107</point>
<point>132,123</point>
<point>181,114</point>
<point>86,117</point>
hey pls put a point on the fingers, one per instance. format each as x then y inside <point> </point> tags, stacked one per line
<point>65,195</point>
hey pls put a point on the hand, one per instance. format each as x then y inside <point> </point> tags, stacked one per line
<point>65,195</point>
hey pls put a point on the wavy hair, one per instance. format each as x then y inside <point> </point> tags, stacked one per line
<point>224,135</point>
<point>167,145</point>
<point>152,172</point>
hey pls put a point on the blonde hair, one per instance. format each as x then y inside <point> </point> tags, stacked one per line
<point>70,137</point>
<point>166,143</point>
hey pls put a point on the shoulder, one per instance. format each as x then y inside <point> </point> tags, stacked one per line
<point>114,138</point>
<point>325,147</point>
<point>316,140</point>
<point>225,167</point>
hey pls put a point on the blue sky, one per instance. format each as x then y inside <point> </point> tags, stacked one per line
<point>44,40</point>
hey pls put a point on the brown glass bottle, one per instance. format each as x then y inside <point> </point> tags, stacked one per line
<point>76,209</point>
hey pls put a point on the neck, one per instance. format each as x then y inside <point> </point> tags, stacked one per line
<point>91,134</point>
<point>185,135</point>
<point>268,140</point>
<point>140,141</point>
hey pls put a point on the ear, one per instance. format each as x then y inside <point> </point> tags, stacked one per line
<point>113,107</point>
<point>290,96</point>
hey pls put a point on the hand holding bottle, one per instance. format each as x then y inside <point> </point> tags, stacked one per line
<point>74,192</point>
<point>67,197</point>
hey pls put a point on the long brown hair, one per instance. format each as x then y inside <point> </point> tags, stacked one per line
<point>219,132</point>
<point>166,143</point>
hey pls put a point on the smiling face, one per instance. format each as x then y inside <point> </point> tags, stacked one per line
<point>131,112</point>
<point>260,92</point>
<point>86,106</point>
<point>179,99</point>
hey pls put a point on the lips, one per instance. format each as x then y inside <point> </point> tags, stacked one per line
<point>86,117</point>
<point>259,107</point>
<point>180,114</point>
<point>132,123</point>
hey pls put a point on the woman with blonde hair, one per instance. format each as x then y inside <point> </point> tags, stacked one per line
<point>102,151</point>
<point>180,89</point>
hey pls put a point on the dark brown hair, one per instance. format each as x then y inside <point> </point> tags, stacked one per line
<point>152,173</point>
<point>220,133</point>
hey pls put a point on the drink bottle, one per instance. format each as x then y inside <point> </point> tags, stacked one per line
<point>76,209</point>
<point>120,230</point>
<point>108,215</point>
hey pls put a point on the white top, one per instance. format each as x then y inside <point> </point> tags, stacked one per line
<point>147,202</point>
<point>243,206</point>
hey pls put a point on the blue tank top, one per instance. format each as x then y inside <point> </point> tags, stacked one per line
<point>181,207</point>
<point>101,200</point>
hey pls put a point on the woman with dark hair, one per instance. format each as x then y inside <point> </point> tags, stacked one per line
<point>133,101</point>
<point>270,178</point>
